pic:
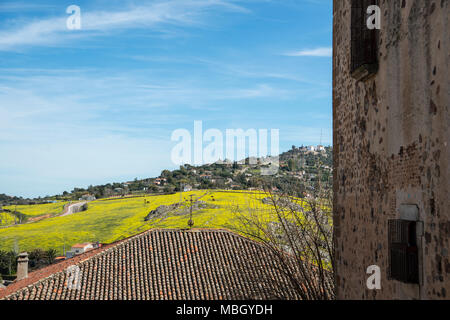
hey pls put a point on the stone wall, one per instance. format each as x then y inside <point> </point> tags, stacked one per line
<point>391,147</point>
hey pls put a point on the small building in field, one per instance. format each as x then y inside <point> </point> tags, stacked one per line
<point>80,248</point>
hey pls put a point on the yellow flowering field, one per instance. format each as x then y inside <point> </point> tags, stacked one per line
<point>38,209</point>
<point>6,219</point>
<point>109,220</point>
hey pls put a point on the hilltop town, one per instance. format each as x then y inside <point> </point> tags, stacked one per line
<point>300,164</point>
<point>303,164</point>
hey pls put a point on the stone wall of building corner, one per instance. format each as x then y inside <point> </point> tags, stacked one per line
<point>391,147</point>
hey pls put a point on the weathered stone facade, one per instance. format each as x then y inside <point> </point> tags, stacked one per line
<point>391,148</point>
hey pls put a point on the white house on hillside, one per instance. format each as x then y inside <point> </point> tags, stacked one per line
<point>80,248</point>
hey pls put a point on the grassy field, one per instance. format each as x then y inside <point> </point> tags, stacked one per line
<point>6,219</point>
<point>39,210</point>
<point>108,220</point>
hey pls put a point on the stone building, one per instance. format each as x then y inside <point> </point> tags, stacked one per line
<point>391,148</point>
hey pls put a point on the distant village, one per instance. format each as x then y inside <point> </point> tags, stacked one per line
<point>307,164</point>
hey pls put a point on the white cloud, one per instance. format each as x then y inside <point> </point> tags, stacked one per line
<point>94,131</point>
<point>157,15</point>
<point>318,52</point>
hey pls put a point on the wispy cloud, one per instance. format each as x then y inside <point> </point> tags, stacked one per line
<point>157,15</point>
<point>253,70</point>
<point>96,129</point>
<point>318,52</point>
<point>21,6</point>
<point>99,104</point>
<point>41,97</point>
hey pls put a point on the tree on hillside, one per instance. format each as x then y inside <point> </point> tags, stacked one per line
<point>4,262</point>
<point>291,165</point>
<point>37,258</point>
<point>8,262</point>
<point>299,233</point>
<point>169,188</point>
<point>51,256</point>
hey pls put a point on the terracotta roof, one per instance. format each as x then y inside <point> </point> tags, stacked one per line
<point>164,264</point>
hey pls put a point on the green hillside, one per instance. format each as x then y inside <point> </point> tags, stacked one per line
<point>108,220</point>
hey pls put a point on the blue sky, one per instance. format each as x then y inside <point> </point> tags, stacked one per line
<point>98,105</point>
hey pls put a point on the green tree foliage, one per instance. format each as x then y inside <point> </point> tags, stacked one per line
<point>291,165</point>
<point>51,256</point>
<point>8,262</point>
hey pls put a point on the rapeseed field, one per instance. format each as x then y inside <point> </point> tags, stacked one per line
<point>109,220</point>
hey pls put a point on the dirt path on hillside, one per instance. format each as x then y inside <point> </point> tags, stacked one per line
<point>68,210</point>
<point>73,208</point>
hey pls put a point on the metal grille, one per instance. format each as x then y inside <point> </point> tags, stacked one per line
<point>403,251</point>
<point>364,42</point>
